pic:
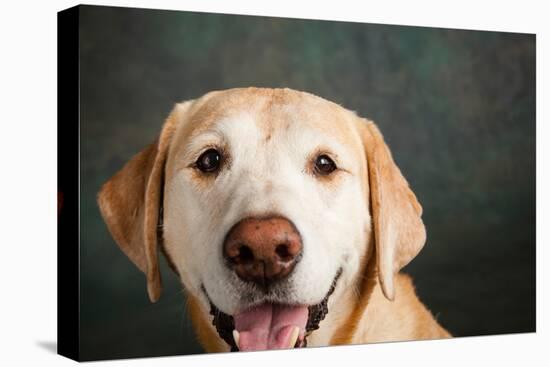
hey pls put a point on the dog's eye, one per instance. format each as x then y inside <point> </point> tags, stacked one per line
<point>324,165</point>
<point>209,161</point>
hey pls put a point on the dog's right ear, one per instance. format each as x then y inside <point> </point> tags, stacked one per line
<point>399,232</point>
<point>130,202</point>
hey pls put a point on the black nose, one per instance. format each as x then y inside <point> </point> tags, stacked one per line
<point>263,250</point>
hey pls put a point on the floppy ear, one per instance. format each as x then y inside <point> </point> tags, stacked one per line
<point>130,203</point>
<point>399,232</point>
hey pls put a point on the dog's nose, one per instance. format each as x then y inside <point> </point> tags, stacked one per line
<point>263,250</point>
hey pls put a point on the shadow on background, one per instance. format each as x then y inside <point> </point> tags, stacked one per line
<point>456,107</point>
<point>49,346</point>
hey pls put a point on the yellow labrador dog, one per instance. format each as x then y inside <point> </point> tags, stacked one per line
<point>284,216</point>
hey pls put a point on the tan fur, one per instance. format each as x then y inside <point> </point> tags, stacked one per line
<point>345,333</point>
<point>398,229</point>
<point>130,202</point>
<point>383,305</point>
<point>207,335</point>
<point>404,318</point>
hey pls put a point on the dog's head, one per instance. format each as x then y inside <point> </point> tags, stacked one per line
<point>266,202</point>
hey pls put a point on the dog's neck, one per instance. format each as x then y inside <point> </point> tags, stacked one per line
<point>368,281</point>
<point>347,310</point>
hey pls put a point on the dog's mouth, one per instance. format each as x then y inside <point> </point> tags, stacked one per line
<point>271,325</point>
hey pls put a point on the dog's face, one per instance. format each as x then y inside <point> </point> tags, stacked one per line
<point>266,198</point>
<point>272,155</point>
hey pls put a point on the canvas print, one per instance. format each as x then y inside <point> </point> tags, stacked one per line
<point>243,183</point>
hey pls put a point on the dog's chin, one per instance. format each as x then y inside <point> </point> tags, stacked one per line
<point>269,325</point>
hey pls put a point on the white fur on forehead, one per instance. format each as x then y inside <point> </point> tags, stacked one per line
<point>265,176</point>
<point>234,130</point>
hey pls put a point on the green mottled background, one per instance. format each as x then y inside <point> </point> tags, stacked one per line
<point>457,109</point>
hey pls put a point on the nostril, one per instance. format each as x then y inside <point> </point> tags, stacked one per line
<point>262,250</point>
<point>245,255</point>
<point>283,252</point>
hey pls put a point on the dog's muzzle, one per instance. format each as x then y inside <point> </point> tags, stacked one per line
<point>270,325</point>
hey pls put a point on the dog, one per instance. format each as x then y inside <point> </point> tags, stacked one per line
<point>284,216</point>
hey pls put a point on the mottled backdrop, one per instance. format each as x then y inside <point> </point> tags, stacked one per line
<point>456,107</point>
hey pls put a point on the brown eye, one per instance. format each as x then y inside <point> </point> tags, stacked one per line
<point>324,165</point>
<point>209,161</point>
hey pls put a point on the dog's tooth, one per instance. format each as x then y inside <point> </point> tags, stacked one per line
<point>236,337</point>
<point>294,336</point>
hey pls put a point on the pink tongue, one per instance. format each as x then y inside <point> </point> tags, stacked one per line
<point>269,326</point>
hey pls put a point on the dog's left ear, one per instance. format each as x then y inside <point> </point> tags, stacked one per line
<point>399,232</point>
<point>130,202</point>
